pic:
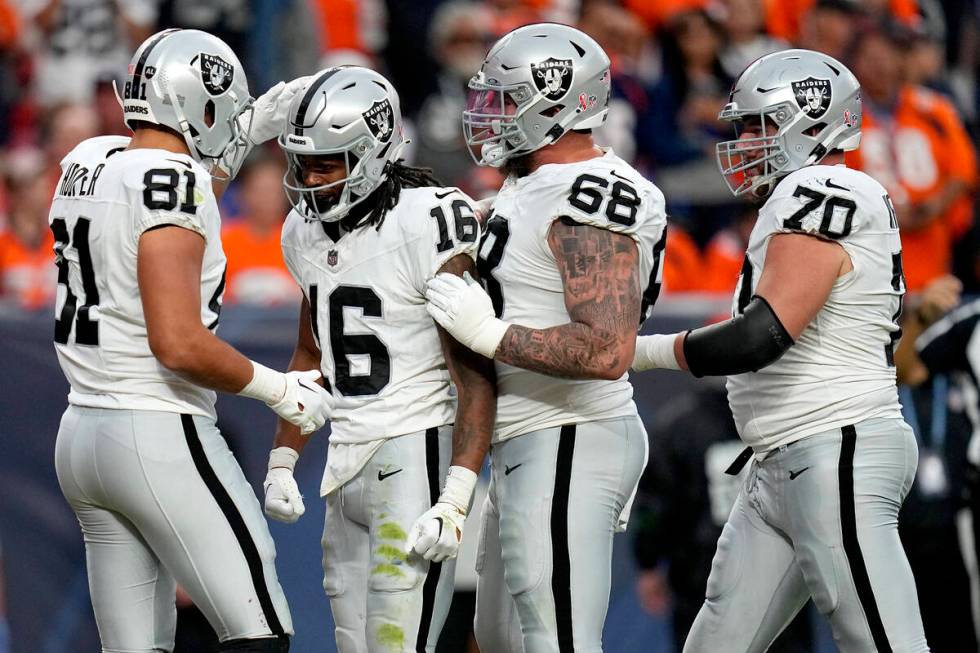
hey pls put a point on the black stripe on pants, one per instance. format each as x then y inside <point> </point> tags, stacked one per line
<point>235,520</point>
<point>852,548</point>
<point>561,581</point>
<point>435,568</point>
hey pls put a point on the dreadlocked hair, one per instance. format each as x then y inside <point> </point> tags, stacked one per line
<point>397,177</point>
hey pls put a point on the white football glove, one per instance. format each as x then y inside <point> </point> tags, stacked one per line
<point>464,309</point>
<point>435,535</point>
<point>294,396</point>
<point>268,116</point>
<point>283,502</point>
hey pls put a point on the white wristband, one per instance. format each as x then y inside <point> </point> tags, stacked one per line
<point>267,385</point>
<point>283,457</point>
<point>655,352</point>
<point>458,490</point>
<point>488,338</point>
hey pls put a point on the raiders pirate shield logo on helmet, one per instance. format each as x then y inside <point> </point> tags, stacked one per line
<point>216,73</point>
<point>553,77</point>
<point>813,96</point>
<point>380,119</point>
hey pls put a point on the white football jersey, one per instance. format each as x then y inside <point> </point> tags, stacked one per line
<point>522,277</point>
<point>380,350</point>
<point>106,198</point>
<point>841,370</point>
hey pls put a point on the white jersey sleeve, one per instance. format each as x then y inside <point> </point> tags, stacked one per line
<point>451,228</point>
<point>841,369</point>
<point>175,191</point>
<point>106,199</point>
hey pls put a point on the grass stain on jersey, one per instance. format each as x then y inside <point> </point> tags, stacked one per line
<point>387,569</point>
<point>391,553</point>
<point>392,636</point>
<point>391,531</point>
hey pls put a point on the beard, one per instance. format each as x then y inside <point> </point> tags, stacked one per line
<point>518,166</point>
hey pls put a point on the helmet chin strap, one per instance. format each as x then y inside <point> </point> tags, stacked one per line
<point>493,154</point>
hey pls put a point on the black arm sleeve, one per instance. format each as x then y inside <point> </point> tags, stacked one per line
<point>746,343</point>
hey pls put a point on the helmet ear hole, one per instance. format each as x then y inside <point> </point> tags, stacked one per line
<point>209,113</point>
<point>814,131</point>
<point>553,111</point>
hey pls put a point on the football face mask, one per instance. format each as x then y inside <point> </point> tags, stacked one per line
<point>490,122</point>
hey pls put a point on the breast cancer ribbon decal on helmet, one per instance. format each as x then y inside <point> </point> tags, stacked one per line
<point>813,95</point>
<point>380,120</point>
<point>216,73</point>
<point>553,77</point>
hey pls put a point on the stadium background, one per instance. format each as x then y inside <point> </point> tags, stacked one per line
<point>673,62</point>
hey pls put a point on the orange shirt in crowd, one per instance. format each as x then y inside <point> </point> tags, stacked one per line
<point>723,258</point>
<point>657,14</point>
<point>683,269</point>
<point>913,155</point>
<point>256,273</point>
<point>28,275</point>
<point>783,16</point>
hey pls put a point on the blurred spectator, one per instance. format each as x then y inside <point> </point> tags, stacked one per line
<point>458,38</point>
<point>81,40</point>
<point>28,275</point>
<point>65,127</point>
<point>787,19</point>
<point>625,39</point>
<point>725,253</point>
<point>946,474</point>
<point>351,31</point>
<point>256,273</point>
<point>744,22</point>
<point>683,501</point>
<point>657,14</point>
<point>110,117</point>
<point>680,126</point>
<point>914,144</point>
<point>683,265</point>
<point>828,26</point>
<point>10,57</point>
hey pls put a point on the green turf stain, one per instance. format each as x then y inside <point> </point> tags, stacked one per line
<point>387,569</point>
<point>391,552</point>
<point>391,635</point>
<point>391,531</point>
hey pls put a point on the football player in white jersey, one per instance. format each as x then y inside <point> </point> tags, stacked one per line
<point>572,262</point>
<point>159,496</point>
<point>811,376</point>
<point>365,234</point>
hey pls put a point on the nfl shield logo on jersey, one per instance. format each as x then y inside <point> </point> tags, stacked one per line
<point>216,73</point>
<point>380,120</point>
<point>813,96</point>
<point>332,258</point>
<point>553,77</point>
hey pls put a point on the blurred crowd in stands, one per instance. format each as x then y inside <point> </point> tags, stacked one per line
<point>673,64</point>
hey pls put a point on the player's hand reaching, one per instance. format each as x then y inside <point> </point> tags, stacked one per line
<point>283,502</point>
<point>270,109</point>
<point>437,533</point>
<point>294,396</point>
<point>465,311</point>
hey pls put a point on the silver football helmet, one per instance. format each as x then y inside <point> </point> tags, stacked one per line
<point>802,104</point>
<point>192,82</point>
<point>536,83</point>
<point>348,111</point>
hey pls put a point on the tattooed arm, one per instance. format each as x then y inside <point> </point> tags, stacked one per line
<point>476,389</point>
<point>601,277</point>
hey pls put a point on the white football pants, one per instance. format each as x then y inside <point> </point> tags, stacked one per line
<point>818,517</point>
<point>557,497</point>
<point>161,500</point>
<point>382,600</point>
